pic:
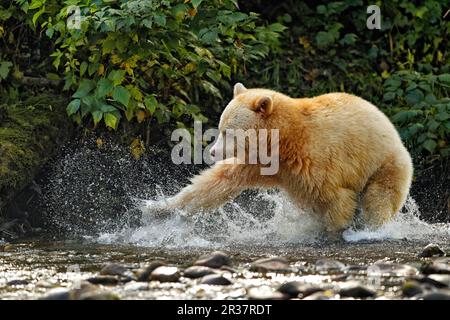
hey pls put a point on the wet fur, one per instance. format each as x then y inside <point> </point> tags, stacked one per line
<point>332,148</point>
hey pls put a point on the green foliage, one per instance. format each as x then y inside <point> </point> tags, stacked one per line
<point>164,63</point>
<point>327,47</point>
<point>420,106</point>
<point>143,59</point>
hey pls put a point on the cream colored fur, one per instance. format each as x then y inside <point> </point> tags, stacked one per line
<point>332,148</point>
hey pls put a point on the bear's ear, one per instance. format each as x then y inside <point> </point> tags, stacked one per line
<point>264,105</point>
<point>238,89</point>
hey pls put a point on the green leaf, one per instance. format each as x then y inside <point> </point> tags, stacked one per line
<point>430,145</point>
<point>393,83</point>
<point>104,107</point>
<point>104,87</point>
<point>150,103</point>
<point>117,76</point>
<point>276,27</point>
<point>122,95</point>
<point>160,20</point>
<point>111,120</point>
<point>414,97</point>
<point>444,78</point>
<point>389,96</point>
<point>209,36</point>
<point>4,69</point>
<point>97,116</point>
<point>196,3</point>
<point>36,4</point>
<point>324,38</point>
<point>442,116</point>
<point>73,107</point>
<point>321,9</point>
<point>85,87</point>
<point>83,68</point>
<point>37,15</point>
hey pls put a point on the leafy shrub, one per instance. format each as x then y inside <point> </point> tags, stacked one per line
<point>379,65</point>
<point>420,107</point>
<point>143,59</point>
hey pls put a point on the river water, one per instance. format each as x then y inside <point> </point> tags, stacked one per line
<point>97,212</point>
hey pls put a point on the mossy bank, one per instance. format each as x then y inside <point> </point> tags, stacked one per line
<point>30,133</point>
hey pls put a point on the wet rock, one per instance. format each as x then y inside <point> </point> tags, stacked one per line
<point>438,266</point>
<point>412,288</point>
<point>228,269</point>
<point>136,286</point>
<point>296,288</point>
<point>321,295</point>
<point>439,280</point>
<point>274,264</point>
<point>265,293</point>
<point>103,279</point>
<point>165,274</point>
<point>327,265</point>
<point>99,295</point>
<point>5,247</point>
<point>198,272</point>
<point>391,269</point>
<point>432,250</point>
<point>17,282</point>
<point>144,274</point>
<point>57,294</point>
<point>114,269</point>
<point>356,267</point>
<point>47,283</point>
<point>436,295</point>
<point>356,290</point>
<point>215,279</point>
<point>215,259</point>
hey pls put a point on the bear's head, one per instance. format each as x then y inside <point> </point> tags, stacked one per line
<point>245,123</point>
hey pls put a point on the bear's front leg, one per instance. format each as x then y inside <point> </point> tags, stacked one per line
<point>215,186</point>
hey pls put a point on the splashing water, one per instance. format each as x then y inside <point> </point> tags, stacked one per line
<point>406,225</point>
<point>99,195</point>
<point>234,226</point>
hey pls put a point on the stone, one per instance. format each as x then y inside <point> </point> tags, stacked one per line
<point>17,282</point>
<point>391,269</point>
<point>265,293</point>
<point>165,274</point>
<point>215,260</point>
<point>57,294</point>
<point>436,295</point>
<point>411,288</point>
<point>103,279</point>
<point>114,269</point>
<point>356,290</point>
<point>144,274</point>
<point>215,279</point>
<point>439,280</point>
<point>327,265</point>
<point>438,266</point>
<point>99,295</point>
<point>320,295</point>
<point>296,288</point>
<point>431,250</point>
<point>274,264</point>
<point>197,272</point>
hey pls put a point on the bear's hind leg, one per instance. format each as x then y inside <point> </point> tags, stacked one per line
<point>340,210</point>
<point>386,191</point>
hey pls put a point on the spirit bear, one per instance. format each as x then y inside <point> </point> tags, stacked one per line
<point>333,150</point>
